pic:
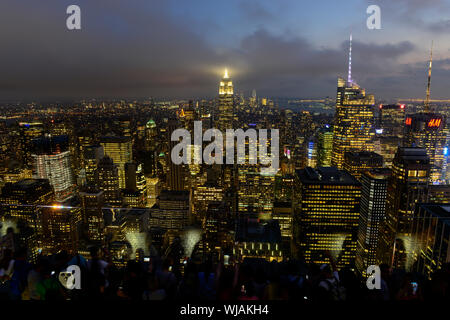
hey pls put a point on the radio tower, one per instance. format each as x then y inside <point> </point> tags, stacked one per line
<point>349,78</point>
<point>427,101</point>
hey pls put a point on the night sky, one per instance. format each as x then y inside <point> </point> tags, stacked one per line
<point>178,49</point>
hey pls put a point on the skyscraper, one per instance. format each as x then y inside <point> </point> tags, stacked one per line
<point>108,181</point>
<point>407,186</point>
<point>324,147</point>
<point>427,130</point>
<point>358,162</point>
<point>327,215</point>
<point>372,214</point>
<point>225,103</point>
<point>119,149</point>
<point>92,156</point>
<point>353,128</point>
<point>52,161</point>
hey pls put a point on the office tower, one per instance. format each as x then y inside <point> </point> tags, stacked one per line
<point>151,133</point>
<point>119,149</point>
<point>92,201</point>
<point>439,193</point>
<point>28,132</point>
<point>257,238</point>
<point>92,156</point>
<point>153,188</point>
<point>256,191</point>
<point>284,187</point>
<point>175,176</point>
<point>358,162</point>
<point>427,130</point>
<point>216,226</point>
<point>108,181</point>
<point>353,128</point>
<point>391,119</point>
<point>327,215</point>
<point>324,147</point>
<point>386,146</point>
<point>311,153</point>
<point>171,212</point>
<point>23,198</point>
<point>60,225</point>
<point>135,192</point>
<point>372,214</point>
<point>283,214</point>
<point>431,234</point>
<point>407,186</point>
<point>51,160</point>
<point>203,196</point>
<point>225,104</point>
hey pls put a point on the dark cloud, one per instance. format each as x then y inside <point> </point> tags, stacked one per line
<point>142,49</point>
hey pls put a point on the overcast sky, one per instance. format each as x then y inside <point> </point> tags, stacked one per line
<point>167,48</point>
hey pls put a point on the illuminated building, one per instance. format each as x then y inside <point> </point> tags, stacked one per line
<point>92,156</point>
<point>92,202</point>
<point>135,194</point>
<point>216,225</point>
<point>52,161</point>
<point>203,196</point>
<point>408,185</point>
<point>258,239</point>
<point>22,202</point>
<point>324,147</point>
<point>171,211</point>
<point>60,225</point>
<point>153,187</point>
<point>391,119</point>
<point>311,154</point>
<point>151,132</point>
<point>353,128</point>
<point>358,162</point>
<point>108,181</point>
<point>387,147</point>
<point>372,214</point>
<point>176,172</point>
<point>327,215</point>
<point>28,132</point>
<point>439,193</point>
<point>256,191</point>
<point>225,103</point>
<point>283,214</point>
<point>119,149</point>
<point>427,130</point>
<point>431,235</point>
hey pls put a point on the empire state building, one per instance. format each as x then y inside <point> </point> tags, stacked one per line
<point>225,103</point>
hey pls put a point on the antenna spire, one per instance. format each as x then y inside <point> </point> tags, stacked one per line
<point>427,101</point>
<point>349,78</point>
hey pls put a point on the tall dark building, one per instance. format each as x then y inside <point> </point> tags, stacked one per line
<point>391,119</point>
<point>431,234</point>
<point>372,214</point>
<point>407,186</point>
<point>175,176</point>
<point>358,162</point>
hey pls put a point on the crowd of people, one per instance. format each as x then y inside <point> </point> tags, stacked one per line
<point>162,279</point>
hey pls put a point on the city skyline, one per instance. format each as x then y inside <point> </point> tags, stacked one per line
<point>179,50</point>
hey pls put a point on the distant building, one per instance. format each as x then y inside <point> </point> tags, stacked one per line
<point>358,162</point>
<point>51,159</point>
<point>119,149</point>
